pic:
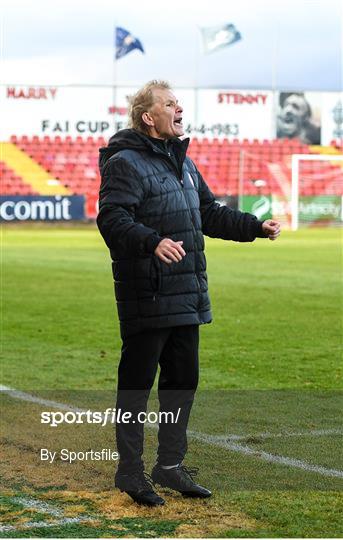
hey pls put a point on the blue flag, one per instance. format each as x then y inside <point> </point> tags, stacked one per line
<point>217,37</point>
<point>126,42</point>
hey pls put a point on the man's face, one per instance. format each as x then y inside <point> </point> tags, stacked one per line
<point>292,116</point>
<point>165,115</point>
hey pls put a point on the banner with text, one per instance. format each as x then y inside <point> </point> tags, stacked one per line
<point>316,210</point>
<point>314,117</point>
<point>36,208</point>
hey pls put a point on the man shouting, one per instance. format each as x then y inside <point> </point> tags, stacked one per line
<point>155,208</point>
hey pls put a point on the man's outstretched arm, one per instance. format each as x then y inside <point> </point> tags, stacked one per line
<point>223,222</point>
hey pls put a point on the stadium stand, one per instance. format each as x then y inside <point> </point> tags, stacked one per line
<point>12,184</point>
<point>73,164</point>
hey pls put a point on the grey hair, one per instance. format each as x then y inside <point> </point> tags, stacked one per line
<point>141,102</point>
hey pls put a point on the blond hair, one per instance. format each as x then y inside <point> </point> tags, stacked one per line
<point>141,102</point>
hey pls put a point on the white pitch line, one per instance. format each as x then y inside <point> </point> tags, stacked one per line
<point>223,442</point>
<point>40,506</point>
<point>226,442</point>
<point>41,524</point>
<point>284,434</point>
<point>18,394</point>
<point>44,507</point>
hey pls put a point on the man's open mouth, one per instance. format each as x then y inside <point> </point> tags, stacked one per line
<point>288,118</point>
<point>178,121</point>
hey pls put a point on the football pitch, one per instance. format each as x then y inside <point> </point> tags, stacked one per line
<point>266,427</point>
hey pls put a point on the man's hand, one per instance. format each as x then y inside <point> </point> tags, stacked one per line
<point>169,251</point>
<point>271,229</point>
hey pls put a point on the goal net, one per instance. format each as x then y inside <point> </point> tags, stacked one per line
<point>297,190</point>
<point>317,190</point>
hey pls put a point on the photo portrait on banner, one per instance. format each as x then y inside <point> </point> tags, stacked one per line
<point>299,117</point>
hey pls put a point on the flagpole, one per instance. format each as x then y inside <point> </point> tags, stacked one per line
<point>275,58</point>
<point>125,43</point>
<point>114,80</point>
<point>196,77</point>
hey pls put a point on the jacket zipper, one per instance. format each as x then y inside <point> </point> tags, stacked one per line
<point>193,230</point>
<point>195,244</point>
<point>190,215</point>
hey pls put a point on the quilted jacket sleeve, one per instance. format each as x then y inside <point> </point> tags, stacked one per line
<point>121,193</point>
<point>223,222</point>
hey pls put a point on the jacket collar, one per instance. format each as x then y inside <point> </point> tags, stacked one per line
<point>178,146</point>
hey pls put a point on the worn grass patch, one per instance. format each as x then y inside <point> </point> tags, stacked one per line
<point>114,514</point>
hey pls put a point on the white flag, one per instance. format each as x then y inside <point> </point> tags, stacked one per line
<point>217,37</point>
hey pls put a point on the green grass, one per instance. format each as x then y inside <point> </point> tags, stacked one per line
<point>118,528</point>
<point>276,306</point>
<point>273,511</point>
<point>270,362</point>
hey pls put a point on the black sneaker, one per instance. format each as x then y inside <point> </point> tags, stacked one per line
<point>179,478</point>
<point>139,486</point>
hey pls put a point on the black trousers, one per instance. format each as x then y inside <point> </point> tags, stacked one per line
<point>176,351</point>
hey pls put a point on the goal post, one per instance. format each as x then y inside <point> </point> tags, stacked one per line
<point>299,190</point>
<point>299,179</point>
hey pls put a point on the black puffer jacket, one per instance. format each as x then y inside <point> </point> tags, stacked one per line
<point>146,196</point>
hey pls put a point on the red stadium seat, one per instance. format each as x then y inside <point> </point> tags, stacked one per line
<point>75,162</point>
